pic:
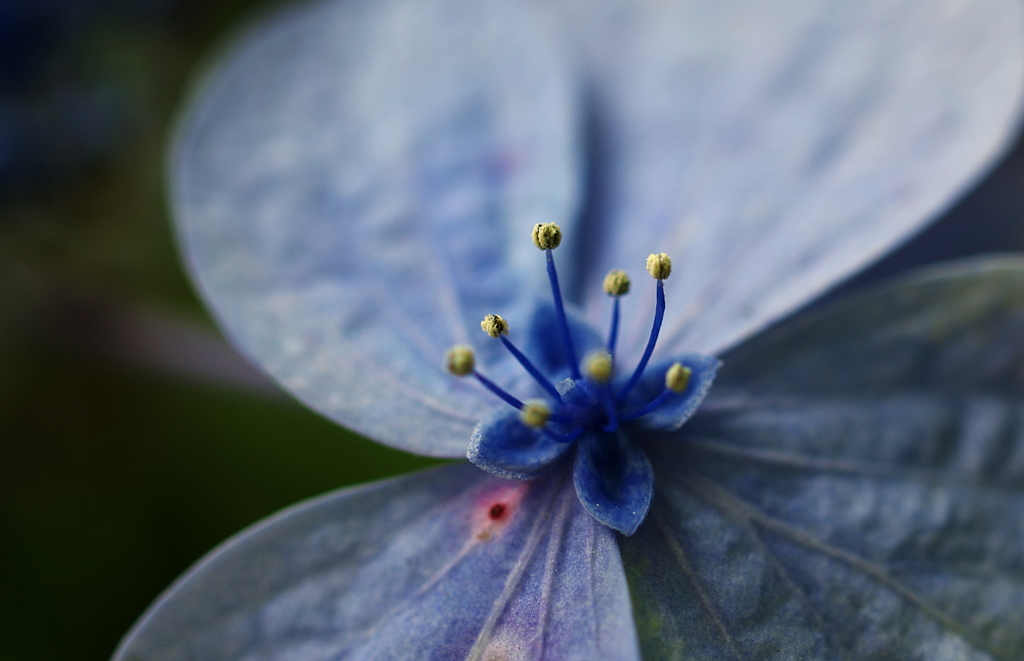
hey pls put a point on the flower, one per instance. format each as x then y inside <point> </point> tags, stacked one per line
<point>585,405</point>
<point>351,186</point>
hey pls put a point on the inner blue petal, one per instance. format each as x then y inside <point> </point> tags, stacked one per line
<point>504,446</point>
<point>614,480</point>
<point>679,408</point>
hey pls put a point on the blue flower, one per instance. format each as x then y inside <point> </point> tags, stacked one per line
<point>586,403</point>
<point>353,186</point>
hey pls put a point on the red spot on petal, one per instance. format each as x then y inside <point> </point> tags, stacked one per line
<point>496,507</point>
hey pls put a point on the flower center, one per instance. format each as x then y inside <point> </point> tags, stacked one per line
<point>590,397</point>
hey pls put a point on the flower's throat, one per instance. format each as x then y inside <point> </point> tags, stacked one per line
<point>588,398</point>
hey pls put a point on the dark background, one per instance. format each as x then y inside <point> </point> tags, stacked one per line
<point>131,439</point>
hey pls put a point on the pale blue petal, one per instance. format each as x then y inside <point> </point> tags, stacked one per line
<point>502,445</point>
<point>677,409</point>
<point>414,568</point>
<point>852,487</point>
<point>355,185</point>
<point>613,479</point>
<point>774,148</point>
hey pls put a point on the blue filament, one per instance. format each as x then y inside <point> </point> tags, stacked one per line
<point>511,399</point>
<point>499,391</point>
<point>530,367</point>
<point>650,406</point>
<point>613,334</point>
<point>570,351</point>
<point>659,314</point>
<point>584,409</point>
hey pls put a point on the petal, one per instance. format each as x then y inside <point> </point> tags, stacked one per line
<point>354,187</point>
<point>856,492</point>
<point>613,480</point>
<point>504,446</point>
<point>544,342</point>
<point>774,150</point>
<point>954,327</point>
<point>413,568</point>
<point>677,409</point>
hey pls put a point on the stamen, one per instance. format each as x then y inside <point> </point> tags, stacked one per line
<point>499,391</point>
<point>514,401</point>
<point>535,414</point>
<point>598,366</point>
<point>660,267</point>
<point>460,360</point>
<point>494,325</point>
<point>613,333</point>
<point>548,236</point>
<point>677,378</point>
<point>616,284</point>
<point>531,368</point>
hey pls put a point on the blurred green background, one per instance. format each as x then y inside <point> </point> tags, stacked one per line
<point>132,440</point>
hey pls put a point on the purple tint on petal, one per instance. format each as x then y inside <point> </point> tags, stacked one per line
<point>448,563</point>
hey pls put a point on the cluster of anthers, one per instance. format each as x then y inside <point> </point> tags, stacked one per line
<point>587,399</point>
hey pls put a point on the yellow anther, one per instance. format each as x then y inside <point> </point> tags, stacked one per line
<point>677,377</point>
<point>494,325</point>
<point>659,266</point>
<point>460,360</point>
<point>535,414</point>
<point>598,366</point>
<point>616,283</point>
<point>547,236</point>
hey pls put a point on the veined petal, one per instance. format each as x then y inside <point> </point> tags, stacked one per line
<point>504,446</point>
<point>677,409</point>
<point>445,564</point>
<point>354,186</point>
<point>613,480</point>
<point>951,328</point>
<point>859,498</point>
<point>775,149</point>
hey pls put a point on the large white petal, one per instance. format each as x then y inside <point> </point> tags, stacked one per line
<point>773,148</point>
<point>418,567</point>
<point>349,187</point>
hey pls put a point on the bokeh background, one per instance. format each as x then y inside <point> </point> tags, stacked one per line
<point>132,439</point>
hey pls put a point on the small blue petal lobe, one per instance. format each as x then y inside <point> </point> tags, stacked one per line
<point>677,409</point>
<point>614,480</point>
<point>504,446</point>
